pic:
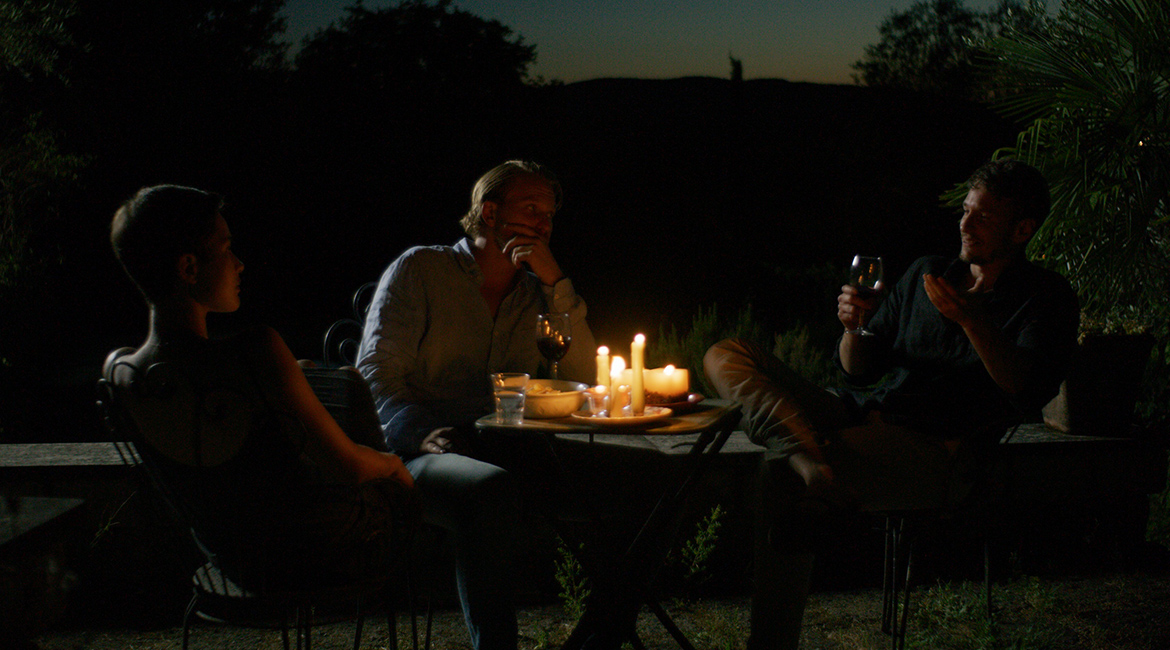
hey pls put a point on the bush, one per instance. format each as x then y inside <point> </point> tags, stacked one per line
<point>794,347</point>
<point>686,350</point>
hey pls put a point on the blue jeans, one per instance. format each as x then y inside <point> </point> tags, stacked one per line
<point>477,502</point>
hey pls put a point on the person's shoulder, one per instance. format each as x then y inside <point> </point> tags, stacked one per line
<point>259,344</point>
<point>425,256</point>
<point>255,336</point>
<point>426,252</point>
<point>1046,278</point>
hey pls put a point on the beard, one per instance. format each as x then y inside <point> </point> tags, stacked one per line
<point>973,258</point>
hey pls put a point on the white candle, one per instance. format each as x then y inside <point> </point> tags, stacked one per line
<point>667,384</point>
<point>637,365</point>
<point>603,366</point>
<point>678,382</point>
<point>617,368</point>
<point>623,400</point>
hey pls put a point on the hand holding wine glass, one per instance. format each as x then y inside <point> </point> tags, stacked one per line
<point>554,333</point>
<point>865,275</point>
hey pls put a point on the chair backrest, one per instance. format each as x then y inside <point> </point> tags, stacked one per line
<point>343,338</point>
<point>160,383</point>
<point>228,588</point>
<point>347,397</point>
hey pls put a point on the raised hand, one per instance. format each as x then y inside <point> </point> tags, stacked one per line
<point>949,301</point>
<point>529,247</point>
<point>854,305</point>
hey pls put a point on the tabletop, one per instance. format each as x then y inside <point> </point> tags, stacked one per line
<point>675,434</point>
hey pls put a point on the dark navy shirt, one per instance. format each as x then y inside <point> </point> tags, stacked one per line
<point>927,373</point>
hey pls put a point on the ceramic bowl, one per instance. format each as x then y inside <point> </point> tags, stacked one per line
<point>541,402</point>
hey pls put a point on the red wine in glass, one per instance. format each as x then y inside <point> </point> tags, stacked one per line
<point>553,336</point>
<point>864,275</point>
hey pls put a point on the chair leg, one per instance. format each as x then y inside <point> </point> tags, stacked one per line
<point>430,614</point>
<point>357,632</point>
<point>187,619</point>
<point>907,586</point>
<point>987,574</point>
<point>305,625</point>
<point>888,567</point>
<point>284,630</point>
<point>298,629</point>
<point>413,614</point>
<point>392,626</point>
<point>895,618</point>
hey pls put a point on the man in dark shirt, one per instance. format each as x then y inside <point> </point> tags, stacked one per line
<point>958,350</point>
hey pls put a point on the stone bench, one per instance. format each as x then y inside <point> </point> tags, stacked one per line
<point>64,468</point>
<point>1043,462</point>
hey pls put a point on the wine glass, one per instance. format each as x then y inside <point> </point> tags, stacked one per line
<point>865,275</point>
<point>553,335</point>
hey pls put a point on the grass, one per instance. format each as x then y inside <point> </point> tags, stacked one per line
<point>570,575</point>
<point>1100,612</point>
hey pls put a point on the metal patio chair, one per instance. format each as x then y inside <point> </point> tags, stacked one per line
<point>230,592</point>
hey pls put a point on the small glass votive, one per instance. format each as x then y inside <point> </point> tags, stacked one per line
<point>508,391</point>
<point>596,399</point>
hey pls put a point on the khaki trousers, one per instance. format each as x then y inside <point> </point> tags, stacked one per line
<point>876,466</point>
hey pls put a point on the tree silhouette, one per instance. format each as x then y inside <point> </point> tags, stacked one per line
<point>417,47</point>
<point>933,46</point>
<point>392,100</point>
<point>736,68</point>
<point>33,170</point>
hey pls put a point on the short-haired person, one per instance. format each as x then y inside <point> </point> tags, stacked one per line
<point>442,319</point>
<point>277,489</point>
<point>960,348</point>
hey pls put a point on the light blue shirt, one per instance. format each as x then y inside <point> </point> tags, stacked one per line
<point>430,341</point>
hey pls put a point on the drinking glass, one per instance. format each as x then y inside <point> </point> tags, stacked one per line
<point>864,275</point>
<point>553,336</point>
<point>508,391</point>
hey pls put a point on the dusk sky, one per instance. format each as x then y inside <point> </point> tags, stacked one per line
<point>797,40</point>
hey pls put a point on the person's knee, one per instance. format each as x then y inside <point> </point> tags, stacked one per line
<point>495,495</point>
<point>718,357</point>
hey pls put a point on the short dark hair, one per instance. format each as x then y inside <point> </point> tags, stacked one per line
<point>1021,184</point>
<point>156,227</point>
<point>494,184</point>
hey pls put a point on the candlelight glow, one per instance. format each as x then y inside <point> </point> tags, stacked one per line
<point>616,368</point>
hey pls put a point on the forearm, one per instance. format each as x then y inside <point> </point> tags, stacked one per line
<point>856,354</point>
<point>368,464</point>
<point>406,424</point>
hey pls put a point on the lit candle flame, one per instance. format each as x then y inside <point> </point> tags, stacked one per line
<point>668,370</point>
<point>603,350</point>
<point>617,367</point>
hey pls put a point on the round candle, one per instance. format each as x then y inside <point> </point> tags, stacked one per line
<point>664,385</point>
<point>677,381</point>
